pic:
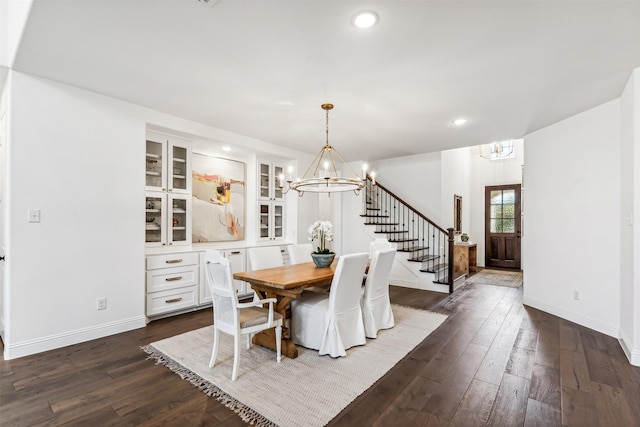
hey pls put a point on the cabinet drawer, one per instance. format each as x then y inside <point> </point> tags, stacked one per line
<point>172,260</point>
<point>175,299</point>
<point>172,278</point>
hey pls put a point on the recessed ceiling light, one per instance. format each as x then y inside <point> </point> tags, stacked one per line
<point>460,122</point>
<point>365,19</point>
<point>226,148</point>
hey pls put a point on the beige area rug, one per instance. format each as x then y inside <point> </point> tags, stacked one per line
<point>512,279</point>
<point>307,391</point>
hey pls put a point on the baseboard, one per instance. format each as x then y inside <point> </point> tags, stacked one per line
<point>632,355</point>
<point>586,321</point>
<point>51,342</point>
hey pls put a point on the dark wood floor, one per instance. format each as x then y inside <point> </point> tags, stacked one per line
<point>493,362</point>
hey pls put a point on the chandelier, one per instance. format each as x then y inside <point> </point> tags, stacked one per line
<point>322,175</point>
<point>497,150</point>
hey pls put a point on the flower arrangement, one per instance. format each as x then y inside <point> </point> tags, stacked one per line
<point>322,231</point>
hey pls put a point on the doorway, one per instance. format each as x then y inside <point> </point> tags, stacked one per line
<point>502,226</point>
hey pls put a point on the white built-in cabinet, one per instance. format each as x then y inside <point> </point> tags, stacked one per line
<point>168,191</point>
<point>173,282</point>
<point>268,179</point>
<point>271,206</point>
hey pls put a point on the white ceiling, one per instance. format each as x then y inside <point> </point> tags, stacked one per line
<point>262,68</point>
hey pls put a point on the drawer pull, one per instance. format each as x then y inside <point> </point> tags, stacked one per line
<point>173,279</point>
<point>173,261</point>
<point>235,252</point>
<point>169,301</point>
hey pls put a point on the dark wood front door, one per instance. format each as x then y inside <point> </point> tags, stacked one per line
<point>502,226</point>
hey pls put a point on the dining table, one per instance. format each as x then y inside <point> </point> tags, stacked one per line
<point>285,283</point>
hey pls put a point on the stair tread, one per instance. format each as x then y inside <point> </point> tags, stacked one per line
<point>391,232</point>
<point>402,241</point>
<point>381,223</point>
<point>374,216</point>
<point>424,258</point>
<point>413,248</point>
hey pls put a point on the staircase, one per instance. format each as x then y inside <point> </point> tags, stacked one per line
<point>422,240</point>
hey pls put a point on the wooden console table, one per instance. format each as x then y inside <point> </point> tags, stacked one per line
<point>464,258</point>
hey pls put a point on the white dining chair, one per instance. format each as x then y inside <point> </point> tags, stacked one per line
<point>265,257</point>
<point>332,323</point>
<point>378,244</point>
<point>300,253</point>
<point>232,317</point>
<point>375,303</point>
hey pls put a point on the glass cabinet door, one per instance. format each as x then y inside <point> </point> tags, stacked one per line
<point>265,181</point>
<point>179,224</point>
<point>179,163</point>
<point>155,219</point>
<point>278,221</point>
<point>277,191</point>
<point>155,165</point>
<point>265,220</point>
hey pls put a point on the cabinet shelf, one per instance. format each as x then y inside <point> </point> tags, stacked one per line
<point>178,160</point>
<point>179,176</point>
<point>153,156</point>
<point>152,227</point>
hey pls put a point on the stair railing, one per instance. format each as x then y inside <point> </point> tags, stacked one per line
<point>412,231</point>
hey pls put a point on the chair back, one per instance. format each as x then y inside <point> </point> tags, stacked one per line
<point>265,257</point>
<point>300,253</point>
<point>347,282</point>
<point>378,245</point>
<point>220,281</point>
<point>377,283</point>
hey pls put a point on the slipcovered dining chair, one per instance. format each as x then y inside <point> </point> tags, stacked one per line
<point>375,303</point>
<point>332,323</point>
<point>377,245</point>
<point>265,257</point>
<point>232,317</point>
<point>300,253</point>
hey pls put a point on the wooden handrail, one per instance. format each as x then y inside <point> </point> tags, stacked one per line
<point>409,206</point>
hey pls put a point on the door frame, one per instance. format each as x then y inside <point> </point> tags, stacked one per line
<point>516,263</point>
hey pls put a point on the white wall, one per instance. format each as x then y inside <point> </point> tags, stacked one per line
<point>77,156</point>
<point>572,186</point>
<point>456,180</point>
<point>630,214</point>
<point>415,179</point>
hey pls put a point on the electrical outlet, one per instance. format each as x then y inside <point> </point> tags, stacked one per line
<point>576,295</point>
<point>33,215</point>
<point>102,303</point>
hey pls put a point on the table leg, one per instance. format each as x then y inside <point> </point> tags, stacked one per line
<point>268,338</point>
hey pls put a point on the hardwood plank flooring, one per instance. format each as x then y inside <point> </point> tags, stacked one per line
<point>493,362</point>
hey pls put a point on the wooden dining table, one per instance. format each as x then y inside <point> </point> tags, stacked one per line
<point>285,284</point>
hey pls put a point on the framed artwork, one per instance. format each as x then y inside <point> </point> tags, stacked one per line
<point>218,190</point>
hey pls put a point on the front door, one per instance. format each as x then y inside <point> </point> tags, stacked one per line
<point>502,226</point>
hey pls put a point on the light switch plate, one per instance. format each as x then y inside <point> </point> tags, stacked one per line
<point>33,215</point>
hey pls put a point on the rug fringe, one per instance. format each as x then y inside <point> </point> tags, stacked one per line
<point>247,414</point>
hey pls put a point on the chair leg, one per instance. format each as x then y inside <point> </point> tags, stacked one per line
<point>248,341</point>
<point>236,356</point>
<point>214,351</point>
<point>278,342</point>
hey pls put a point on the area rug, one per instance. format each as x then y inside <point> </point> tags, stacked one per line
<point>512,279</point>
<point>307,391</point>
